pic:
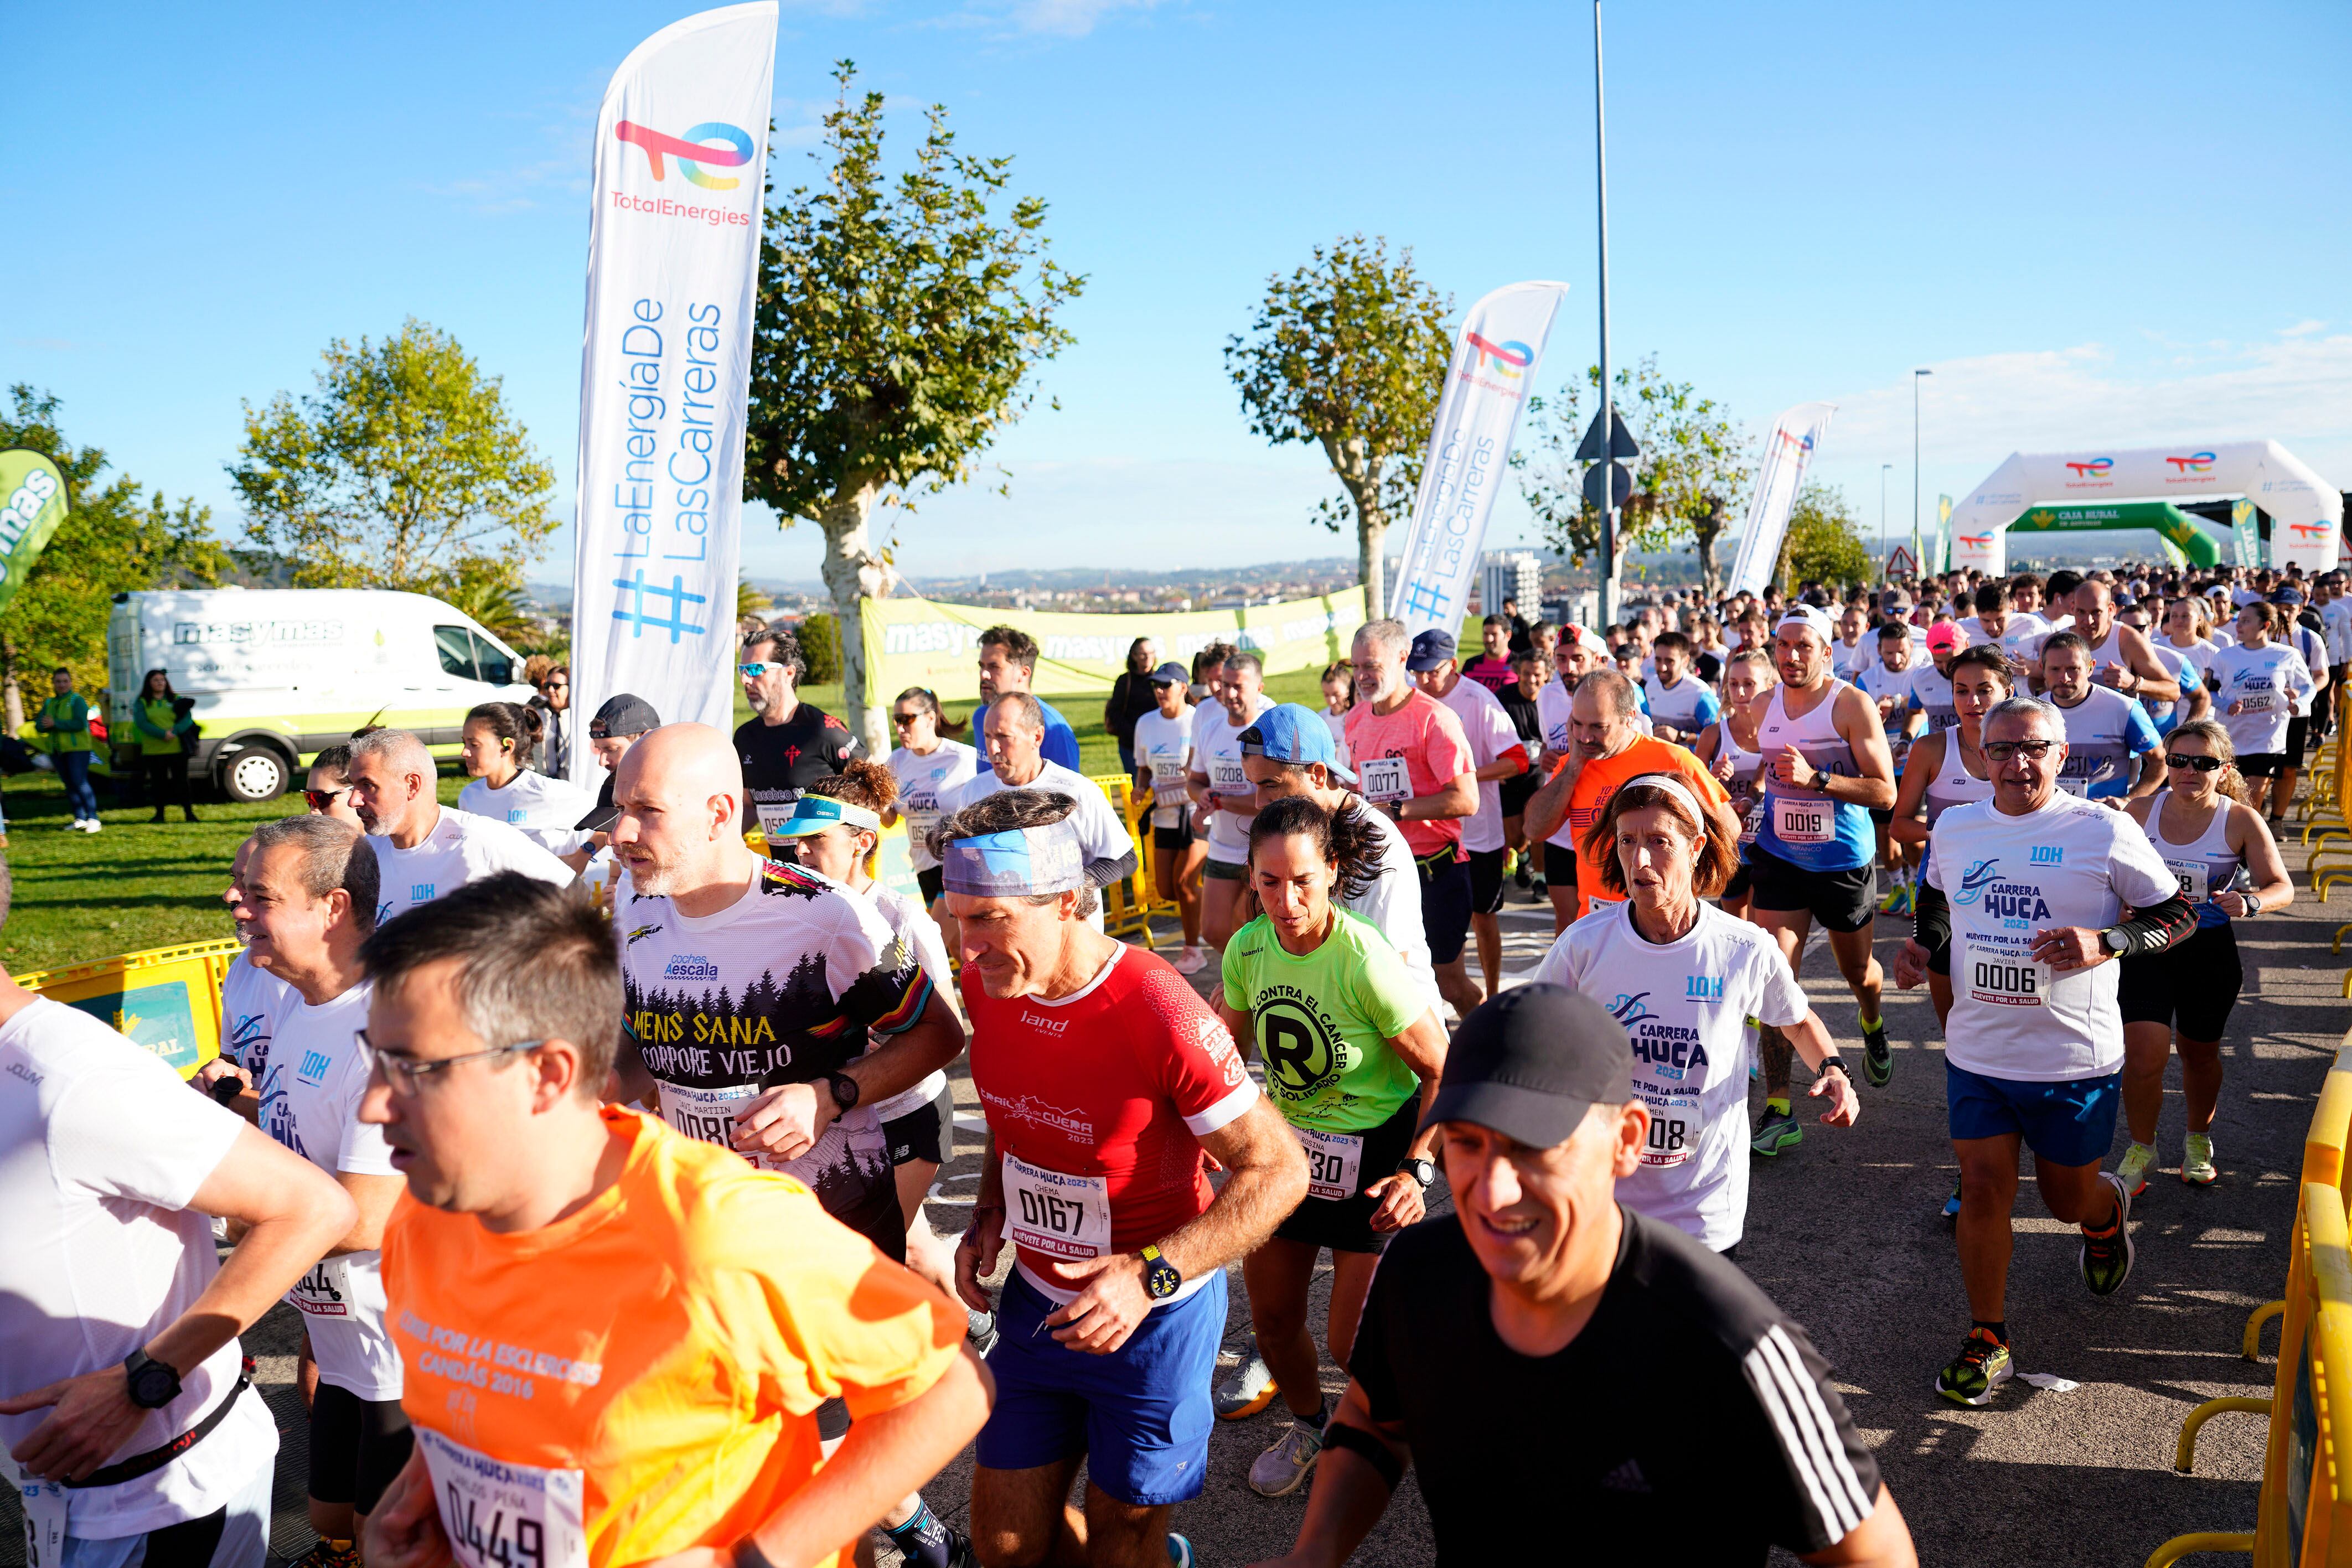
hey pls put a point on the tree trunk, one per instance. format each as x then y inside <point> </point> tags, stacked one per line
<point>12,699</point>
<point>1372,567</point>
<point>1705,531</point>
<point>854,573</point>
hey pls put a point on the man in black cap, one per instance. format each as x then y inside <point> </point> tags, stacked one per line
<point>1539,1296</point>
<point>618,725</point>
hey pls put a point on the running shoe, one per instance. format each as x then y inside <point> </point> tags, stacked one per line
<point>1776,1133</point>
<point>1877,1056</point>
<point>1892,903</point>
<point>1190,960</point>
<point>1283,1468</point>
<point>1952,1206</point>
<point>2106,1260</point>
<point>1540,889</point>
<point>1249,1390</point>
<point>1523,874</point>
<point>1180,1550</point>
<point>2132,1169</point>
<point>1983,1365</point>
<point>960,1552</point>
<point>330,1554</point>
<point>2197,1166</point>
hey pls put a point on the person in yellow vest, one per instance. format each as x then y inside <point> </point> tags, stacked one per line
<point>162,729</point>
<point>64,722</point>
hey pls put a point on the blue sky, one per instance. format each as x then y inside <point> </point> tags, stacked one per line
<point>2099,224</point>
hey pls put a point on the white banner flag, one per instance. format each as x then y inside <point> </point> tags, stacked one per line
<point>673,261</point>
<point>1790,448</point>
<point>1487,386</point>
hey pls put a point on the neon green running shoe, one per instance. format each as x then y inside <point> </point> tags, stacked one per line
<point>2105,1258</point>
<point>2132,1171</point>
<point>1983,1365</point>
<point>2197,1167</point>
<point>1877,1056</point>
<point>1776,1131</point>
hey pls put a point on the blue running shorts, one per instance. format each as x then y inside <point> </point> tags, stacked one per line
<point>1140,1415</point>
<point>2068,1122</point>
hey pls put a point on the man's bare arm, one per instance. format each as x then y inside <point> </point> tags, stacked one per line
<point>1266,1179</point>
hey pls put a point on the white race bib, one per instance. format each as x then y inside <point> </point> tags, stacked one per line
<point>2005,979</point>
<point>1060,1216</point>
<point>1384,780</point>
<point>1804,820</point>
<point>44,1504</point>
<point>2255,702</point>
<point>921,811</point>
<point>1674,1128</point>
<point>2193,876</point>
<point>2074,784</point>
<point>772,815</point>
<point>325,1291</point>
<point>501,1515</point>
<point>1168,784</point>
<point>706,1116</point>
<point>1334,1162</point>
<point>1226,778</point>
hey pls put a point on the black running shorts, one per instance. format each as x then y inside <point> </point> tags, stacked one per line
<point>1344,1224</point>
<point>1444,905</point>
<point>1559,867</point>
<point>2189,987</point>
<point>357,1446</point>
<point>1486,882</point>
<point>923,1133</point>
<point>1843,901</point>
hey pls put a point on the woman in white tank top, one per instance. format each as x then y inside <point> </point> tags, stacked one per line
<point>1728,746</point>
<point>2229,868</point>
<point>1947,769</point>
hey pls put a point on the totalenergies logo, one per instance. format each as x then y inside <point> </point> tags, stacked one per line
<point>692,151</point>
<point>2195,463</point>
<point>1505,358</point>
<point>1977,541</point>
<point>2096,469</point>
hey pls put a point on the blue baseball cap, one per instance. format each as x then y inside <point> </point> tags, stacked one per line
<point>1429,649</point>
<point>1289,732</point>
<point>1171,673</point>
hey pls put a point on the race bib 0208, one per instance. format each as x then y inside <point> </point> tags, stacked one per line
<point>1334,1163</point>
<point>1384,780</point>
<point>1226,778</point>
<point>1051,1212</point>
<point>1804,820</point>
<point>2006,980</point>
<point>502,1515</point>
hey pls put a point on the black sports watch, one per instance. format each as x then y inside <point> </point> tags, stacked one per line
<point>844,1091</point>
<point>2116,940</point>
<point>1421,1171</point>
<point>1836,1061</point>
<point>152,1384</point>
<point>1161,1279</point>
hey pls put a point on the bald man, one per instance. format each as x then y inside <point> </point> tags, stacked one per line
<point>421,849</point>
<point>2120,655</point>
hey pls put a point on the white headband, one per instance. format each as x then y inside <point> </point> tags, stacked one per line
<point>1674,787</point>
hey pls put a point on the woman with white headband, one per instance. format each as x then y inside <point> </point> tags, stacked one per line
<point>1685,978</point>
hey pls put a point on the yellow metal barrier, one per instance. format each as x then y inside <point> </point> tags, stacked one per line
<point>165,998</point>
<point>2184,1453</point>
<point>1127,904</point>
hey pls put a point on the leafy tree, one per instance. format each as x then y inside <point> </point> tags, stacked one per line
<point>898,324</point>
<point>749,600</point>
<point>113,540</point>
<point>401,467</point>
<point>1695,465</point>
<point>820,640</point>
<point>1350,352</point>
<point>1823,543</point>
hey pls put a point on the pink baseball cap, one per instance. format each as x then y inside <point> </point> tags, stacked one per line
<point>1944,638</point>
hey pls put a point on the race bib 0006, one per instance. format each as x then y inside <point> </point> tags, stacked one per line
<point>1334,1162</point>
<point>2006,980</point>
<point>502,1515</point>
<point>1384,780</point>
<point>1058,1215</point>
<point>1804,820</point>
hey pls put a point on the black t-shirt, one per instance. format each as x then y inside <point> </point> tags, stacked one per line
<point>780,760</point>
<point>1709,668</point>
<point>1689,1422</point>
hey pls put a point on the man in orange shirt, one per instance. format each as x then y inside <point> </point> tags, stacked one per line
<point>1606,746</point>
<point>615,1338</point>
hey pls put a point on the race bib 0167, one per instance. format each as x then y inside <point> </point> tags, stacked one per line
<point>502,1515</point>
<point>2006,980</point>
<point>1059,1214</point>
<point>1384,780</point>
<point>1334,1163</point>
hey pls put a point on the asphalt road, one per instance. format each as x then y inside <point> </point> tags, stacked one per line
<point>1844,1233</point>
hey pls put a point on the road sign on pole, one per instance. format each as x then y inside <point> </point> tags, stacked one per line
<point>1621,484</point>
<point>1621,441</point>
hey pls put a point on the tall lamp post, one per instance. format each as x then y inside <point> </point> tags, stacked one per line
<point>1884,471</point>
<point>1916,565</point>
<point>1609,564</point>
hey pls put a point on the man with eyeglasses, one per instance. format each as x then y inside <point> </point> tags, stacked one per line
<point>309,900</point>
<point>786,745</point>
<point>2028,887</point>
<point>615,1339</point>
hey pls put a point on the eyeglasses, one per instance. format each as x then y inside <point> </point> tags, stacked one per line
<point>405,1074</point>
<point>2201,764</point>
<point>324,799</point>
<point>754,670</point>
<point>2002,750</point>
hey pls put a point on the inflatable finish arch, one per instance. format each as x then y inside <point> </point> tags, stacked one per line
<point>2306,515</point>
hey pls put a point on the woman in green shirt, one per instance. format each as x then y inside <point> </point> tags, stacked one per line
<point>64,719</point>
<point>1353,1052</point>
<point>162,731</point>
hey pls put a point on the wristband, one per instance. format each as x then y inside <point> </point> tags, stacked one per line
<point>746,1554</point>
<point>1357,1441</point>
<point>1830,1061</point>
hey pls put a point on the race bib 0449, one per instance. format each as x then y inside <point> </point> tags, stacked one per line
<point>1334,1163</point>
<point>502,1515</point>
<point>1059,1214</point>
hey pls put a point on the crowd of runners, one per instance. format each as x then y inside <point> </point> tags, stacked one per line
<point>589,1134</point>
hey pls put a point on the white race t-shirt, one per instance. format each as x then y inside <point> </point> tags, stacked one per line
<point>1486,724</point>
<point>1217,752</point>
<point>1101,835</point>
<point>2266,684</point>
<point>541,807</point>
<point>460,848</point>
<point>101,1150</point>
<point>925,780</point>
<point>310,1103</point>
<point>1391,904</point>
<point>920,933</point>
<point>1685,1006</point>
<point>2072,863</point>
<point>251,1001</point>
<point>1163,751</point>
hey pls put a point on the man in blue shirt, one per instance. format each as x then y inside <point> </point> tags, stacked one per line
<point>1008,663</point>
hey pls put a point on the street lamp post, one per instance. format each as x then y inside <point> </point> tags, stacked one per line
<point>1915,565</point>
<point>1609,563</point>
<point>1884,469</point>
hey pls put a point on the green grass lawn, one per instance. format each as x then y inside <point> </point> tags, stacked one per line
<point>137,885</point>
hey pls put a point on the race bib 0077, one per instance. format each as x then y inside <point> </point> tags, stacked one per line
<point>1384,780</point>
<point>502,1515</point>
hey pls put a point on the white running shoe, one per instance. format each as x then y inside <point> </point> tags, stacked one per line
<point>1284,1467</point>
<point>1247,1390</point>
<point>1190,960</point>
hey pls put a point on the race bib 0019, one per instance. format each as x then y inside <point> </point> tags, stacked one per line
<point>1334,1163</point>
<point>1811,820</point>
<point>1384,780</point>
<point>503,1515</point>
<point>1059,1214</point>
<point>2006,980</point>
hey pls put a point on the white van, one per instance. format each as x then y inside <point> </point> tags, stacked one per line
<point>278,675</point>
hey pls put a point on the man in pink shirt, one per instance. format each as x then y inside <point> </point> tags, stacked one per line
<point>1413,764</point>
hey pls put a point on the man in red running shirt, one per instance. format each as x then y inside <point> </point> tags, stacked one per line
<point>1103,1076</point>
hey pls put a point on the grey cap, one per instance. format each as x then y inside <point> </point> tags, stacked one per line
<point>625,713</point>
<point>1530,1063</point>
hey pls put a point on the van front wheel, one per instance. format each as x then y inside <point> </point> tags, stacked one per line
<point>255,774</point>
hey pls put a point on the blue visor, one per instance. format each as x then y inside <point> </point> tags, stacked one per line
<point>1015,861</point>
<point>815,813</point>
